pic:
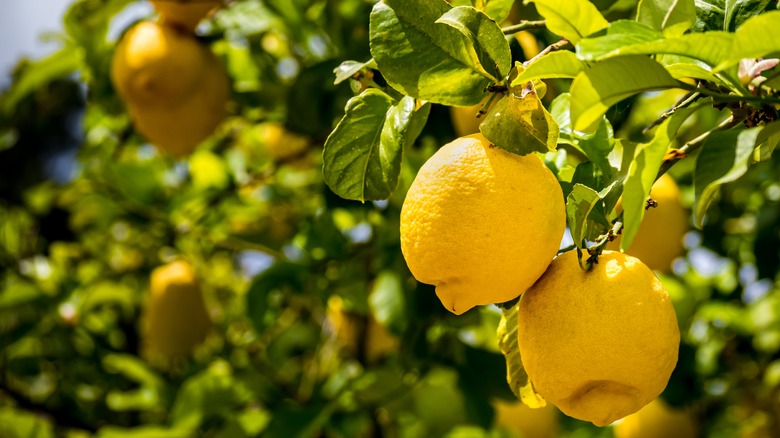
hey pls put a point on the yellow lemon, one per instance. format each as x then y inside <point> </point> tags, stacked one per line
<point>657,420</point>
<point>185,13</point>
<point>601,344</point>
<point>660,237</point>
<point>178,130</point>
<point>464,119</point>
<point>175,318</point>
<point>526,422</point>
<point>157,65</point>
<point>480,223</point>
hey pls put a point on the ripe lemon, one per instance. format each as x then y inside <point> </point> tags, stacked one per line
<point>175,319</point>
<point>464,119</point>
<point>378,342</point>
<point>660,237</point>
<point>657,420</point>
<point>526,422</point>
<point>157,65</point>
<point>601,344</point>
<point>185,13</point>
<point>178,130</point>
<point>480,223</point>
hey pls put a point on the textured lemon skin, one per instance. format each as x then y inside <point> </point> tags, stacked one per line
<point>660,237</point>
<point>657,420</point>
<point>526,422</point>
<point>186,14</point>
<point>175,318</point>
<point>601,344</point>
<point>157,65</point>
<point>480,223</point>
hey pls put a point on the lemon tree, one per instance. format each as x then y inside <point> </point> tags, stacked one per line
<point>260,218</point>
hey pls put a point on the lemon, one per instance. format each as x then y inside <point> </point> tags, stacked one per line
<point>601,344</point>
<point>660,237</point>
<point>464,119</point>
<point>480,223</point>
<point>178,130</point>
<point>524,421</point>
<point>378,342</point>
<point>175,318</point>
<point>185,13</point>
<point>157,65</point>
<point>657,420</point>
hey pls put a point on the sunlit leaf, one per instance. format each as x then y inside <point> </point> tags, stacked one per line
<point>756,38</point>
<point>521,125</point>
<point>498,10</point>
<point>561,64</point>
<point>620,33</point>
<point>516,376</point>
<point>579,203</point>
<point>571,19</point>
<point>608,82</point>
<point>673,17</point>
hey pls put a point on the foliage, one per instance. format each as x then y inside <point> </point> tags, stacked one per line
<point>617,99</point>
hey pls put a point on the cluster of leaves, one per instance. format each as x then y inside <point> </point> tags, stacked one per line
<point>272,244</point>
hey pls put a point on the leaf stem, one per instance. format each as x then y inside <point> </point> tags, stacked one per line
<point>523,25</point>
<point>685,101</point>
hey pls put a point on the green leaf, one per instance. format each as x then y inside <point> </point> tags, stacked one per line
<point>281,274</point>
<point>725,156</point>
<point>387,301</point>
<point>498,10</point>
<point>767,141</point>
<point>571,19</point>
<point>521,125</point>
<point>23,424</point>
<point>596,89</point>
<point>560,64</point>
<point>362,156</point>
<point>516,376</point>
<point>347,69</point>
<point>423,59</point>
<point>620,33</point>
<point>213,392</point>
<point>756,38</point>
<point>579,203</point>
<point>673,17</point>
<point>682,70</point>
<point>142,432</point>
<point>39,73</point>
<point>642,173</point>
<point>489,49</point>
<point>726,15</point>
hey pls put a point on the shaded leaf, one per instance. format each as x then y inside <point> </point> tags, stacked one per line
<point>756,38</point>
<point>362,156</point>
<point>498,10</point>
<point>489,49</point>
<point>642,173</point>
<point>579,203</point>
<point>38,73</point>
<point>209,393</point>
<point>516,376</point>
<point>571,19</point>
<point>423,59</point>
<point>596,89</point>
<point>673,17</point>
<point>725,156</point>
<point>560,64</point>
<point>387,301</point>
<point>521,125</point>
<point>280,274</point>
<point>726,15</point>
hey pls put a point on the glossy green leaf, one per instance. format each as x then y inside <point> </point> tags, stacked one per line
<point>641,175</point>
<point>347,69</point>
<point>756,38</point>
<point>521,125</point>
<point>579,203</point>
<point>362,156</point>
<point>673,17</point>
<point>560,64</point>
<point>489,50</point>
<point>421,58</point>
<point>571,19</point>
<point>516,376</point>
<point>608,82</point>
<point>684,70</point>
<point>498,10</point>
<point>726,15</point>
<point>725,156</point>
<point>620,33</point>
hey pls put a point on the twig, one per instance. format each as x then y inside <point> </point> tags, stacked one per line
<point>694,144</point>
<point>523,25</point>
<point>686,100</point>
<point>551,48</point>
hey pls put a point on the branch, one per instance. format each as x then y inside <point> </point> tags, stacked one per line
<point>523,25</point>
<point>551,48</point>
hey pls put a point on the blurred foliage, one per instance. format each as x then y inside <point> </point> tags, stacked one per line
<point>271,244</point>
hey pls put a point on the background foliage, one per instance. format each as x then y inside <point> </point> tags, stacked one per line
<point>273,244</point>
